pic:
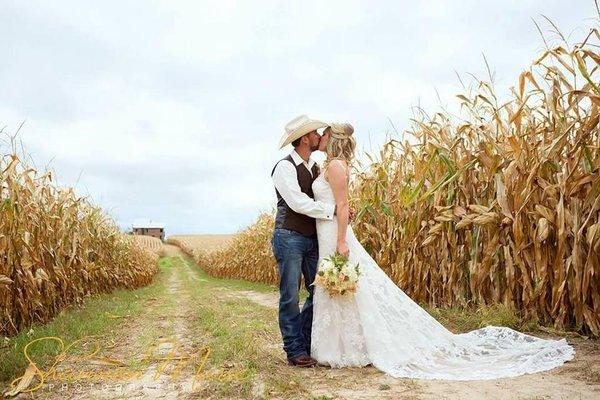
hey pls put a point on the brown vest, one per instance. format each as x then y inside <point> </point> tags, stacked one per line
<point>286,217</point>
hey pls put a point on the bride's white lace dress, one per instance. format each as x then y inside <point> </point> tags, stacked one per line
<point>381,325</point>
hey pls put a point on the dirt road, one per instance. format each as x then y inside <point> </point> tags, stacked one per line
<point>202,337</point>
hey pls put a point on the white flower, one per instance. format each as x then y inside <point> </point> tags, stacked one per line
<point>326,265</point>
<point>352,274</point>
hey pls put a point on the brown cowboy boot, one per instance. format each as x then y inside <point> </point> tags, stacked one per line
<point>302,361</point>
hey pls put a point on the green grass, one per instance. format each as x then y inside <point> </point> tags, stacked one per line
<point>92,317</point>
<point>229,325</point>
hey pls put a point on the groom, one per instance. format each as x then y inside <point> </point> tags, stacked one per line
<point>294,239</point>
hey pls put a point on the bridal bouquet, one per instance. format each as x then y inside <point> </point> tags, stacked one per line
<point>337,275</point>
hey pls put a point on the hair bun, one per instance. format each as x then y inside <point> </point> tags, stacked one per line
<point>341,131</point>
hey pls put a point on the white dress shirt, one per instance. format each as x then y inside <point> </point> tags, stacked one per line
<point>285,179</point>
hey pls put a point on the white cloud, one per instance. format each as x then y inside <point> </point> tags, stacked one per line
<point>171,110</point>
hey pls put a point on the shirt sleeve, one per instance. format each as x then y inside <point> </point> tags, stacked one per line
<point>286,182</point>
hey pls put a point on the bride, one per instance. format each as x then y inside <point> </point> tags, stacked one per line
<point>382,326</point>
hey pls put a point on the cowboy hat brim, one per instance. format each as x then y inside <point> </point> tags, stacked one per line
<point>310,126</point>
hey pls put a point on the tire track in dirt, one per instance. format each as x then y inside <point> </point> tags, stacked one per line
<point>166,369</point>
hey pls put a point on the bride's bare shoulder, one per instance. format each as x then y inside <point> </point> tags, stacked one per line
<point>338,167</point>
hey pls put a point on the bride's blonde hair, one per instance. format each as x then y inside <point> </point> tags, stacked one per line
<point>341,143</point>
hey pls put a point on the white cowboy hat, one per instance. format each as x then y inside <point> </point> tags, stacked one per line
<point>299,127</point>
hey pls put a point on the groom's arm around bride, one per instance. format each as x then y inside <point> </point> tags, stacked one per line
<point>286,182</point>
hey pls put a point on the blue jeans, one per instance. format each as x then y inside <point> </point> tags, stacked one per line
<point>297,255</point>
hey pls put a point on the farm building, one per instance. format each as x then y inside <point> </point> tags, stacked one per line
<point>149,228</point>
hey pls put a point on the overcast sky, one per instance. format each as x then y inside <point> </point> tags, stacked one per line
<point>172,110</point>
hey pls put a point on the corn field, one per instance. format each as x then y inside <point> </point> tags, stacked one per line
<point>502,207</point>
<point>56,248</point>
<point>149,243</point>
<point>247,256</point>
<point>498,205</point>
<point>193,245</point>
